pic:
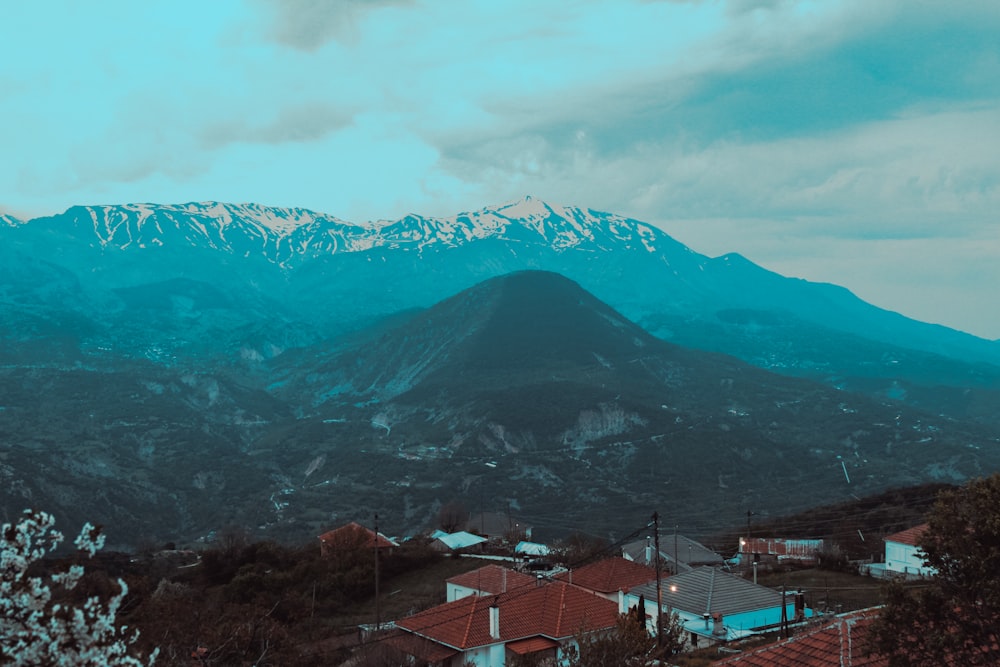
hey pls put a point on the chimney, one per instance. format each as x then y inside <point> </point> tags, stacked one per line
<point>649,552</point>
<point>494,621</point>
<point>706,616</point>
<point>718,629</point>
<point>622,605</point>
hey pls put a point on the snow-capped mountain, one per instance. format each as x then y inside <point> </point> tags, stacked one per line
<point>286,236</point>
<point>163,279</point>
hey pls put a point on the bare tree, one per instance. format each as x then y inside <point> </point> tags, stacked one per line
<point>452,516</point>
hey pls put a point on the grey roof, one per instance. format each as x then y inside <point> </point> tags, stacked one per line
<point>709,590</point>
<point>691,553</point>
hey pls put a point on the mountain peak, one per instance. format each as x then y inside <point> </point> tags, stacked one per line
<point>526,322</point>
<point>9,220</point>
<point>531,207</point>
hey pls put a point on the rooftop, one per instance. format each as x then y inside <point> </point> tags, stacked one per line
<point>909,536</point>
<point>353,535</point>
<point>493,579</point>
<point>707,590</point>
<point>680,549</point>
<point>556,611</point>
<point>609,575</point>
<point>841,641</point>
<point>460,540</point>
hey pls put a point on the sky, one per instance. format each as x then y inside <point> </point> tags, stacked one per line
<point>855,142</point>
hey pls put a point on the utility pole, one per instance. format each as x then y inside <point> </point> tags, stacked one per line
<point>784,614</point>
<point>677,556</point>
<point>378,615</point>
<point>659,586</point>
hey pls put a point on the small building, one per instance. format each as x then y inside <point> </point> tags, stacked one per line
<point>486,580</point>
<point>527,549</point>
<point>903,555</point>
<point>717,607</point>
<point>540,622</point>
<point>352,536</point>
<point>780,550</point>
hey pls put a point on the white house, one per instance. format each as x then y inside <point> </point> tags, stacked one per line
<point>903,556</point>
<point>539,621</point>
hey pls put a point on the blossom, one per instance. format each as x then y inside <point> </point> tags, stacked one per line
<point>33,629</point>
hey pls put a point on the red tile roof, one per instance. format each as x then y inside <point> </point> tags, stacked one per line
<point>556,611</point>
<point>909,536</point>
<point>610,575</point>
<point>840,642</point>
<point>493,579</point>
<point>352,536</point>
<point>533,645</point>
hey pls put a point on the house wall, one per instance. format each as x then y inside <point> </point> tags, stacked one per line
<point>758,618</point>
<point>455,592</point>
<point>905,558</point>
<point>742,623</point>
<point>482,656</point>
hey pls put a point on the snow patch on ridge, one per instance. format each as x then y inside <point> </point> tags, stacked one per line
<point>286,235</point>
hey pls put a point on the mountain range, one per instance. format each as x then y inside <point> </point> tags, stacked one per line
<point>169,370</point>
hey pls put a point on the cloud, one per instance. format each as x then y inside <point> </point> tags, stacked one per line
<point>298,123</point>
<point>845,122</point>
<point>309,24</point>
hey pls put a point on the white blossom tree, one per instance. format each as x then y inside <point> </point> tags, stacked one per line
<point>37,629</point>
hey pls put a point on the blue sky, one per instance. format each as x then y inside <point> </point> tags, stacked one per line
<point>854,142</point>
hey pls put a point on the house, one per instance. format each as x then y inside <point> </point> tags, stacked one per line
<point>459,541</point>
<point>609,576</point>
<point>540,621</point>
<point>678,553</point>
<point>715,606</point>
<point>486,580</point>
<point>352,536</point>
<point>780,550</point>
<point>840,641</point>
<point>903,556</point>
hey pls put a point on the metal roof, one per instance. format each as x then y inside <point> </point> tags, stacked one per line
<point>461,540</point>
<point>689,552</point>
<point>707,590</point>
